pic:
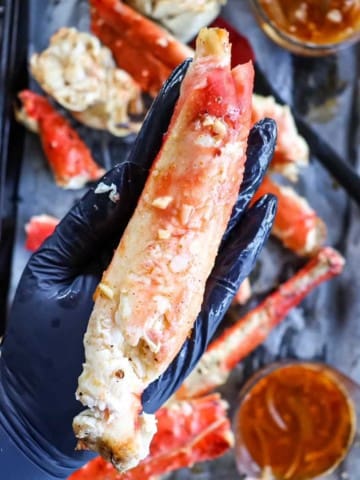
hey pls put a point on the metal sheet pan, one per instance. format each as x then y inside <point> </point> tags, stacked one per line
<point>13,76</point>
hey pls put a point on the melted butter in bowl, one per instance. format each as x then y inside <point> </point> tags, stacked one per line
<point>310,27</point>
<point>296,421</point>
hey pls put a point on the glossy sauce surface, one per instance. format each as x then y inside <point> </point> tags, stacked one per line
<point>319,22</point>
<point>296,422</point>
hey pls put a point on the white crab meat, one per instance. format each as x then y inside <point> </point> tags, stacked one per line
<point>80,74</point>
<point>183,18</point>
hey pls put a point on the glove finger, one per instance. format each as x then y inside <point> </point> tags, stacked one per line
<point>259,153</point>
<point>149,139</point>
<point>92,226</point>
<point>233,264</point>
<point>54,340</point>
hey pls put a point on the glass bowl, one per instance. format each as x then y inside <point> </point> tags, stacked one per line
<point>286,32</point>
<point>295,421</point>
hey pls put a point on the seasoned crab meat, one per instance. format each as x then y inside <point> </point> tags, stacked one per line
<point>152,291</point>
<point>80,74</point>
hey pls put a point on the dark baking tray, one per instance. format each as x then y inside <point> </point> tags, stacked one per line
<point>13,77</point>
<point>325,326</point>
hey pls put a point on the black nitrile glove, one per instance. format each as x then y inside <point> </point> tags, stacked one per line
<point>42,352</point>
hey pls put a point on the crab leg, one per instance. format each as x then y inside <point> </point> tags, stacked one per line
<point>291,152</point>
<point>148,71</point>
<point>296,224</point>
<point>38,229</point>
<point>135,34</point>
<point>140,31</point>
<point>251,330</point>
<point>68,156</point>
<point>189,431</point>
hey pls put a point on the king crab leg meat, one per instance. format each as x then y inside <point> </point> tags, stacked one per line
<point>183,18</point>
<point>81,75</point>
<point>152,292</point>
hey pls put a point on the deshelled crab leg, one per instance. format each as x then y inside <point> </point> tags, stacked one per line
<point>121,27</point>
<point>251,330</point>
<point>153,289</point>
<point>68,156</point>
<point>189,431</point>
<point>296,224</point>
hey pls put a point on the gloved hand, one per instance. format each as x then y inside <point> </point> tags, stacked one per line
<point>42,352</point>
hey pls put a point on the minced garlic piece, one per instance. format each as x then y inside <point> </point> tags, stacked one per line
<point>185,213</point>
<point>107,291</point>
<point>162,202</point>
<point>163,234</point>
<point>219,127</point>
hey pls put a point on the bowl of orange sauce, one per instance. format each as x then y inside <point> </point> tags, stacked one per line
<point>295,421</point>
<point>310,27</point>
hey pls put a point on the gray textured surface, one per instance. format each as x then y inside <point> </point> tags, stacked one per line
<point>327,325</point>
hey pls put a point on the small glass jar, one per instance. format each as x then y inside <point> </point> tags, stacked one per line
<point>310,27</point>
<point>295,421</point>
